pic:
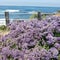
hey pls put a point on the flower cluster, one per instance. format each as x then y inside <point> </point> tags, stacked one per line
<point>32,40</point>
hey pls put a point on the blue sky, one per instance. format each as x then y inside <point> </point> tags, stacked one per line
<point>31,2</point>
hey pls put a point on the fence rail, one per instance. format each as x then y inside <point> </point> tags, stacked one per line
<point>7,16</point>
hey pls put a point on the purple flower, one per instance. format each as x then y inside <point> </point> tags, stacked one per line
<point>57,45</point>
<point>6,51</point>
<point>54,52</point>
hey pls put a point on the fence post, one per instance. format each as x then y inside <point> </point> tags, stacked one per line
<point>39,15</point>
<point>7,18</point>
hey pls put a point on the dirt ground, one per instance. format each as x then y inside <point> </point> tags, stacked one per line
<point>2,33</point>
<point>57,14</point>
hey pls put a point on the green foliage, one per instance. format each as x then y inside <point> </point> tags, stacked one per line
<point>10,57</point>
<point>56,34</point>
<point>13,46</point>
<point>59,57</point>
<point>36,16</point>
<point>44,16</point>
<point>4,28</point>
<point>58,11</point>
<point>33,16</point>
<point>46,47</point>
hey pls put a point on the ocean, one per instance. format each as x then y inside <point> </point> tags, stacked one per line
<point>24,12</point>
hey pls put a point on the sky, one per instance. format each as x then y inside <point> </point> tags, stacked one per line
<point>30,2</point>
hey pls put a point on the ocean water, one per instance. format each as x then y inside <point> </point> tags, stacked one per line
<point>24,12</point>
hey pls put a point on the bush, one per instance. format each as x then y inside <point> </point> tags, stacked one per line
<point>33,16</point>
<point>3,27</point>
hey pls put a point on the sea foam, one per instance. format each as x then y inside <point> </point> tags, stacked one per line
<point>11,10</point>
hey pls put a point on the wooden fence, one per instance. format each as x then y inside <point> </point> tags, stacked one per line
<point>7,20</point>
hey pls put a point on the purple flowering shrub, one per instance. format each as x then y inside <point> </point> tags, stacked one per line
<point>32,40</point>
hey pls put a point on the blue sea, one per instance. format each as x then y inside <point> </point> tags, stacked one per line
<point>24,12</point>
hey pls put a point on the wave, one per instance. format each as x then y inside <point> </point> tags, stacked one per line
<point>11,10</point>
<point>17,12</point>
<point>32,12</point>
<point>1,13</point>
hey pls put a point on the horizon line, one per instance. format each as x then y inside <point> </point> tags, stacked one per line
<point>30,5</point>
